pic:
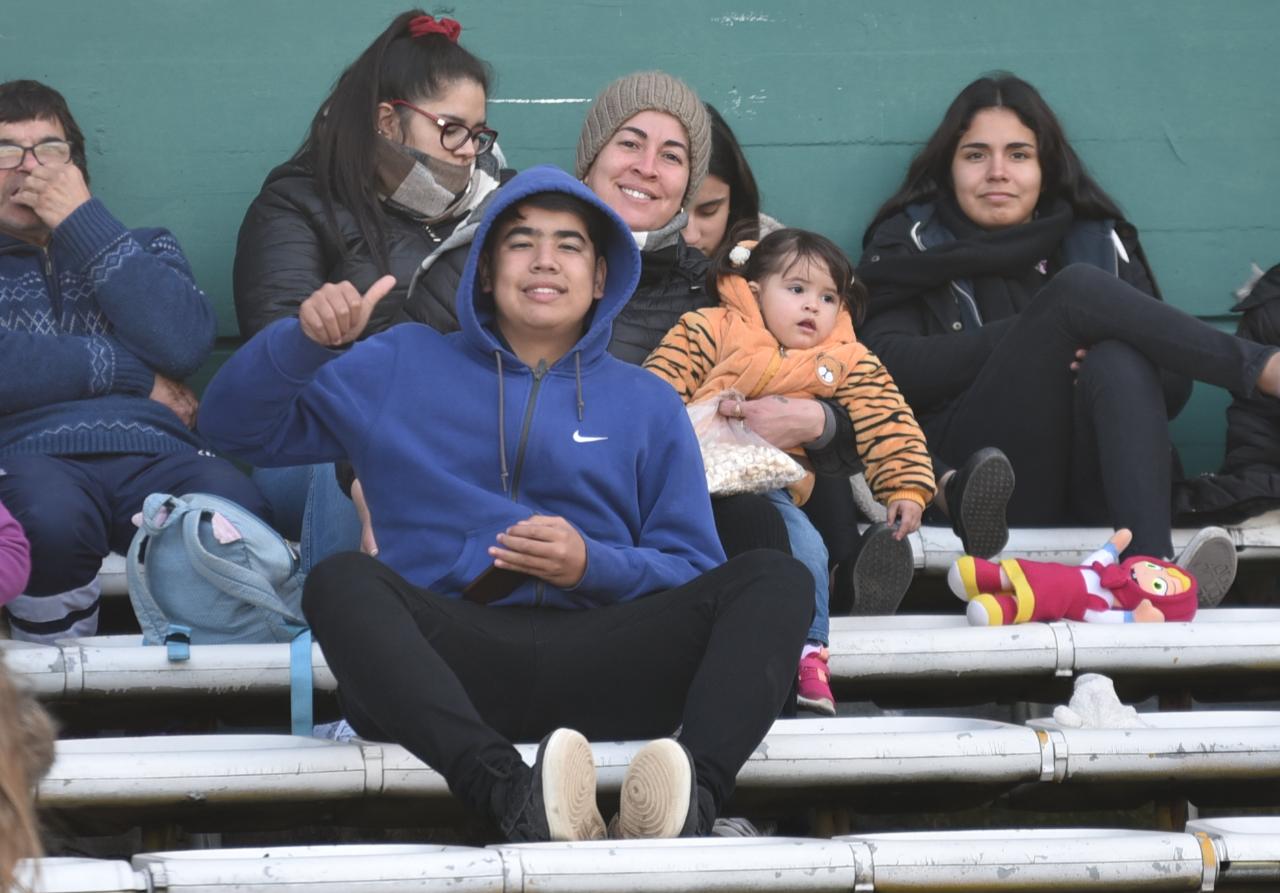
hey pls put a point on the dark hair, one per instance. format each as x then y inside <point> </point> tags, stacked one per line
<point>781,250</point>
<point>34,101</point>
<point>599,228</point>
<point>1062,173</point>
<point>730,165</point>
<point>340,146</point>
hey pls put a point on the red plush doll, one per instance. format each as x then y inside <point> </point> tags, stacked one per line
<point>1101,590</point>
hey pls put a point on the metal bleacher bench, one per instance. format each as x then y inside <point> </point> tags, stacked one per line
<point>1230,756</point>
<point>1201,858</point>
<point>931,653</point>
<point>935,548</point>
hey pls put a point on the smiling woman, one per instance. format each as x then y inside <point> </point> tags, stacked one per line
<point>1013,305</point>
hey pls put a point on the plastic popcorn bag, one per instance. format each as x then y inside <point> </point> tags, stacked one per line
<point>737,459</point>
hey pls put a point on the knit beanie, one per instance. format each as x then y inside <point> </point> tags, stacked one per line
<point>641,92</point>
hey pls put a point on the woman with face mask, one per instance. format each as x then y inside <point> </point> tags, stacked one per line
<point>397,157</point>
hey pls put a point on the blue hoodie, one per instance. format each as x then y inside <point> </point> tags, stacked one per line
<point>603,444</point>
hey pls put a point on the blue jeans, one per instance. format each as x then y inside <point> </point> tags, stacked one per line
<point>807,546</point>
<point>311,507</point>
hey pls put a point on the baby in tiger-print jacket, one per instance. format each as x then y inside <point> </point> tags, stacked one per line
<point>784,328</point>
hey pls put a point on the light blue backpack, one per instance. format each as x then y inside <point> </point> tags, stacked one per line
<point>203,571</point>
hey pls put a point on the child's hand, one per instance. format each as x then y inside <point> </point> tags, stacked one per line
<point>905,513</point>
<point>543,546</point>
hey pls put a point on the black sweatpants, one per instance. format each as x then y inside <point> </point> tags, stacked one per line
<point>455,682</point>
<point>1092,448</point>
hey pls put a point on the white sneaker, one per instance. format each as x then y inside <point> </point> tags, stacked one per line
<point>659,793</point>
<point>565,780</point>
<point>1211,558</point>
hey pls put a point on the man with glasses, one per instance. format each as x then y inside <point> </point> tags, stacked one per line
<point>99,325</point>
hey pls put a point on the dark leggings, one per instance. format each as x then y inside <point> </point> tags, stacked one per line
<point>1093,447</point>
<point>454,682</point>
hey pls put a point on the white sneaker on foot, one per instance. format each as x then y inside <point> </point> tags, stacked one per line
<point>659,793</point>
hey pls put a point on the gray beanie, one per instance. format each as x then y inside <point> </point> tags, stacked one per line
<point>641,92</point>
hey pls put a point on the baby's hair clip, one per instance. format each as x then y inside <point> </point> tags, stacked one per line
<point>739,256</point>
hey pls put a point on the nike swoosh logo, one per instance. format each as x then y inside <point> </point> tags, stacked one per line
<point>579,438</point>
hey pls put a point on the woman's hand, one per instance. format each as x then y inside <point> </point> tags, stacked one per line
<point>543,546</point>
<point>1080,355</point>
<point>904,515</point>
<point>783,422</point>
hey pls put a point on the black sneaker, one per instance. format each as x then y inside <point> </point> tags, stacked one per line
<point>659,795</point>
<point>880,570</point>
<point>977,496</point>
<point>557,799</point>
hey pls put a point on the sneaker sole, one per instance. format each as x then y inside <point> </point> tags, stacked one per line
<point>986,500</point>
<point>1211,558</point>
<point>816,705</point>
<point>569,787</point>
<point>657,792</point>
<point>882,572</point>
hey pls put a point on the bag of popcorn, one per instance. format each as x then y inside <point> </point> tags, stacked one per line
<point>738,460</point>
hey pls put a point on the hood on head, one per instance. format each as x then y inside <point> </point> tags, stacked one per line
<point>622,258</point>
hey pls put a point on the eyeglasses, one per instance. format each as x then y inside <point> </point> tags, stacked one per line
<point>453,135</point>
<point>51,152</point>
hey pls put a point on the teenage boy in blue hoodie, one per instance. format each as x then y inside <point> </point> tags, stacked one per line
<point>548,559</point>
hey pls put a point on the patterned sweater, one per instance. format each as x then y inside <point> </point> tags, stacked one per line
<point>85,325</point>
<point>729,347</point>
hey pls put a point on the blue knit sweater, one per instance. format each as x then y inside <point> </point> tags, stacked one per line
<point>85,325</point>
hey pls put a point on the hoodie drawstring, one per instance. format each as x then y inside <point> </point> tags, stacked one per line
<point>577,374</point>
<point>502,434</point>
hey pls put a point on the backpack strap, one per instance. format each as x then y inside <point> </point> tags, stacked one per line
<point>227,576</point>
<point>300,684</point>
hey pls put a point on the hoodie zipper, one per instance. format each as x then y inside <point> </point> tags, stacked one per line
<point>770,371</point>
<point>524,427</point>
<point>538,373</point>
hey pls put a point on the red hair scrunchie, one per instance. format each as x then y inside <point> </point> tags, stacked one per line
<point>423,25</point>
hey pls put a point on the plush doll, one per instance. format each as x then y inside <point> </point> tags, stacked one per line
<point>1101,590</point>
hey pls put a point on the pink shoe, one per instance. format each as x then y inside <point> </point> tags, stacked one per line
<point>814,691</point>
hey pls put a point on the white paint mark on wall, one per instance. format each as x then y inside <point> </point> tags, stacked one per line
<point>741,18</point>
<point>564,100</point>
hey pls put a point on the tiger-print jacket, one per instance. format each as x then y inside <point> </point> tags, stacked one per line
<point>729,348</point>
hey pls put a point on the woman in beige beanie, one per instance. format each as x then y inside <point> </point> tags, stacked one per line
<point>644,149</point>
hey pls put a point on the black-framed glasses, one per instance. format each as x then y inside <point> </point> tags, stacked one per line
<point>51,152</point>
<point>454,135</point>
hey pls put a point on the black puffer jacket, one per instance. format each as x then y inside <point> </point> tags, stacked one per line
<point>286,250</point>
<point>1249,481</point>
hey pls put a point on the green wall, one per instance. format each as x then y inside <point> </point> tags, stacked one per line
<point>187,103</point>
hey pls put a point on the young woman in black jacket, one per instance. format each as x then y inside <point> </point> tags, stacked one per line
<point>1014,306</point>
<point>397,157</point>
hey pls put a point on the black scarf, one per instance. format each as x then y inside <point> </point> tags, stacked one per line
<point>1003,265</point>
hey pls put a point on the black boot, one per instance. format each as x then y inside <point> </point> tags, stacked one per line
<point>879,571</point>
<point>977,496</point>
